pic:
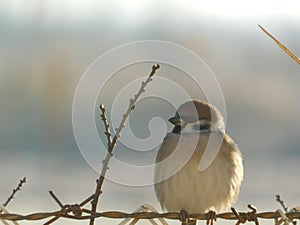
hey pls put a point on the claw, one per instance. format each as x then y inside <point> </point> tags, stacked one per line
<point>211,217</point>
<point>185,218</point>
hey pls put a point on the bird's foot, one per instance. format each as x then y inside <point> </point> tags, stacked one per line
<point>185,218</point>
<point>211,217</point>
<point>192,222</point>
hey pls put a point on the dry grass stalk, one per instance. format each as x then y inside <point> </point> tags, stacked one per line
<point>285,49</point>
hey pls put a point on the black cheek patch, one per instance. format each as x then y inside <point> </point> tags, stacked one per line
<point>202,127</point>
<point>205,127</point>
<point>176,129</point>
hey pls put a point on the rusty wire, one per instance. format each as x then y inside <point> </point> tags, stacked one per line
<point>84,214</point>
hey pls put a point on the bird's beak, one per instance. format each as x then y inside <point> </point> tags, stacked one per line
<point>176,121</point>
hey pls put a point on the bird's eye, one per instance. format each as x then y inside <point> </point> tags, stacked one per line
<point>203,125</point>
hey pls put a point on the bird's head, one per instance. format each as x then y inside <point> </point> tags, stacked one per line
<point>197,116</point>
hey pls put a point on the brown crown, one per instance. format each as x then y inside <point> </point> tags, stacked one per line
<point>199,109</point>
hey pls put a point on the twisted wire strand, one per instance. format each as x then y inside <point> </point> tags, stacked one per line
<point>140,215</point>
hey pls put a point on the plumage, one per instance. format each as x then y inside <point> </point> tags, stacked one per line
<point>215,188</point>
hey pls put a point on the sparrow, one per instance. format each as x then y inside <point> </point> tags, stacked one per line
<point>215,188</point>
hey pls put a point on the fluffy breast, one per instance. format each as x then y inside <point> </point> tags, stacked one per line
<point>180,185</point>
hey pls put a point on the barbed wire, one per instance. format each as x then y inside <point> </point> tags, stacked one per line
<point>77,213</point>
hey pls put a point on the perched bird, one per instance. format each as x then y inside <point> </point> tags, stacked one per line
<point>214,189</point>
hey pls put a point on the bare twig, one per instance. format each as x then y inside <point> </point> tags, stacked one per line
<point>285,208</point>
<point>285,49</point>
<point>278,199</point>
<point>112,144</point>
<point>106,125</point>
<point>11,197</point>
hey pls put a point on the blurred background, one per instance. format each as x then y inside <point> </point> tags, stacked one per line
<point>45,47</point>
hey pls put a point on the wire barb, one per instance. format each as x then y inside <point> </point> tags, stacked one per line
<point>56,199</point>
<point>76,210</point>
<point>244,217</point>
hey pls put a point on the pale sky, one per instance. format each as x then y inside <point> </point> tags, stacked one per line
<point>133,10</point>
